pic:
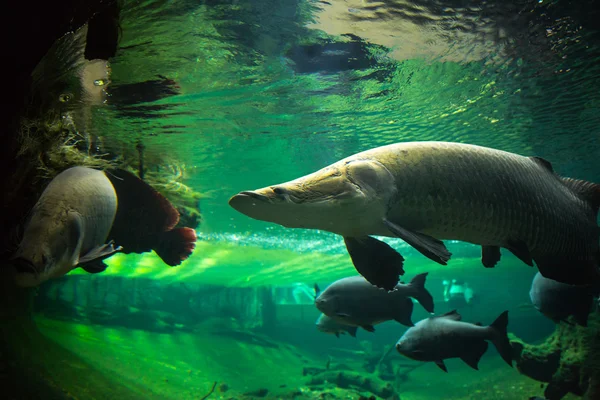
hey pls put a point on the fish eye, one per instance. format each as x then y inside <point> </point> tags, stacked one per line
<point>65,97</point>
<point>278,190</point>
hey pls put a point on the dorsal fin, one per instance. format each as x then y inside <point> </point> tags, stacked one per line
<point>454,315</point>
<point>543,162</point>
<point>587,191</point>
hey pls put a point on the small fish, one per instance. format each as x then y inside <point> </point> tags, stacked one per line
<point>354,301</point>
<point>426,192</point>
<point>446,336</point>
<point>329,325</point>
<point>85,215</point>
<point>457,294</point>
<point>558,301</point>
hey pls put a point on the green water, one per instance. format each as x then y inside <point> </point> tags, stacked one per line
<point>246,118</point>
<point>249,113</point>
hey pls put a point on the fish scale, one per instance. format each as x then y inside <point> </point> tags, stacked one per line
<point>425,192</point>
<point>463,203</point>
<point>99,213</point>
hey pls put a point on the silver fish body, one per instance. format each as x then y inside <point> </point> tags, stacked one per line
<point>425,192</point>
<point>484,196</point>
<point>446,336</point>
<point>71,219</point>
<point>559,301</point>
<point>354,301</point>
<point>329,325</point>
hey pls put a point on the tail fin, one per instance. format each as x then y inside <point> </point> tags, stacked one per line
<point>500,338</point>
<point>176,245</point>
<point>421,294</point>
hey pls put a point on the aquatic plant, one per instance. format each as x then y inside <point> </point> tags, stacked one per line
<point>567,360</point>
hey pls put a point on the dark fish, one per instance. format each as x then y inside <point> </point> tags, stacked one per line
<point>86,215</point>
<point>426,192</point>
<point>446,336</point>
<point>416,289</point>
<point>329,325</point>
<point>354,301</point>
<point>558,301</point>
<point>146,221</point>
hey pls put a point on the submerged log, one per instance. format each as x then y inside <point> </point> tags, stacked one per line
<point>569,360</point>
<point>350,379</point>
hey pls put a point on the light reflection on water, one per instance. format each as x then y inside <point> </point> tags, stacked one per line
<point>269,91</point>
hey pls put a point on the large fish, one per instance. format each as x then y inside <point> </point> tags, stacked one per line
<point>85,215</point>
<point>558,301</point>
<point>446,336</point>
<point>354,301</point>
<point>329,325</point>
<point>426,192</point>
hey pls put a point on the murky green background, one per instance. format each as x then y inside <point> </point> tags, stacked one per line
<point>258,105</point>
<point>270,90</point>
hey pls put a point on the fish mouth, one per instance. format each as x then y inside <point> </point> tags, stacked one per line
<point>244,201</point>
<point>254,195</point>
<point>24,266</point>
<point>320,304</point>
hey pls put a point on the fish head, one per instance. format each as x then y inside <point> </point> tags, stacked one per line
<point>344,198</point>
<point>327,324</point>
<point>44,253</point>
<point>323,326</point>
<point>329,303</point>
<point>410,346</point>
<point>32,267</point>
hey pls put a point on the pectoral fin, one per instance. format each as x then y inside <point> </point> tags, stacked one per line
<point>99,253</point>
<point>375,260</point>
<point>430,247</point>
<point>440,363</point>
